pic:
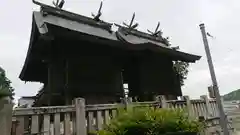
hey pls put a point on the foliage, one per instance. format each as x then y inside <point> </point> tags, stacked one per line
<point>5,85</point>
<point>4,93</point>
<point>234,95</point>
<point>150,121</point>
<point>180,67</point>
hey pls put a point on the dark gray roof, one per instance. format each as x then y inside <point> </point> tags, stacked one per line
<point>133,40</point>
<point>133,37</point>
<point>71,25</point>
<point>49,10</point>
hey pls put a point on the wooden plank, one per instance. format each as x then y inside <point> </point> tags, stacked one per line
<point>189,107</point>
<point>34,125</point>
<point>57,124</point>
<point>172,106</point>
<point>204,110</point>
<point>106,117</point>
<point>212,109</point>
<point>216,109</point>
<point>43,110</point>
<point>26,124</point>
<point>74,124</point>
<point>99,120</point>
<point>175,106</point>
<point>114,113</point>
<point>67,127</point>
<point>180,106</point>
<point>13,128</point>
<point>46,124</point>
<point>51,129</point>
<point>163,101</point>
<point>199,109</point>
<point>80,116</point>
<point>207,106</point>
<point>101,107</point>
<point>20,125</point>
<point>194,110</point>
<point>90,122</point>
<point>61,127</point>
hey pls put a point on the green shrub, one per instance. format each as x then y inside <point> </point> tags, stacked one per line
<point>4,93</point>
<point>150,121</point>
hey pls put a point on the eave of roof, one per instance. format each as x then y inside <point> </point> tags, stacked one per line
<point>28,97</point>
<point>143,41</point>
<point>176,55</point>
<point>32,40</point>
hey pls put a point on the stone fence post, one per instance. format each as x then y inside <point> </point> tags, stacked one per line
<point>5,117</point>
<point>81,128</point>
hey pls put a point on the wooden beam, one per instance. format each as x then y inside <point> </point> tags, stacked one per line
<point>42,110</point>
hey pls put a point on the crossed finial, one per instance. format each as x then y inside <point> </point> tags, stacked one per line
<point>166,41</point>
<point>97,17</point>
<point>131,25</point>
<point>156,33</point>
<point>58,4</point>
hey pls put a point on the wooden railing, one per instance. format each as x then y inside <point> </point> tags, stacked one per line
<point>80,119</point>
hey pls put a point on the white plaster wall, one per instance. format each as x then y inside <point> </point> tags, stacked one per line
<point>29,102</point>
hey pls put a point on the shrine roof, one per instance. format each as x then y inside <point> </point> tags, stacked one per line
<point>49,17</point>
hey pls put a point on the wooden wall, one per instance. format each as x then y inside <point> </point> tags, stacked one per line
<point>151,75</point>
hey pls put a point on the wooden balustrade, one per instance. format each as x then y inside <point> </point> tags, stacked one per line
<point>43,120</point>
<point>81,119</point>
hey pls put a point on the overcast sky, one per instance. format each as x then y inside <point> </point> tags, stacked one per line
<point>179,20</point>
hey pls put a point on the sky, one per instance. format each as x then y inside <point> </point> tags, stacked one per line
<point>179,21</point>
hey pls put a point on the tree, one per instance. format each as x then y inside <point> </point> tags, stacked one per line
<point>5,85</point>
<point>180,67</point>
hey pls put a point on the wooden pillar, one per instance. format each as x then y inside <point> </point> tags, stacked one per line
<point>66,87</point>
<point>49,90</point>
<point>207,106</point>
<point>122,87</point>
<point>55,82</point>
